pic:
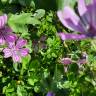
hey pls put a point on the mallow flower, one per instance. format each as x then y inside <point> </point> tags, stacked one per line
<point>84,23</point>
<point>66,61</point>
<point>16,50</point>
<point>6,34</point>
<point>50,93</point>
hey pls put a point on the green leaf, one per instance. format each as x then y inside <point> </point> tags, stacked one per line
<point>18,28</point>
<point>59,70</point>
<point>23,18</point>
<point>19,19</point>
<point>33,21</point>
<point>32,81</point>
<point>4,1</point>
<point>15,66</point>
<point>39,13</point>
<point>67,84</point>
<point>21,91</point>
<point>17,22</point>
<point>36,89</point>
<point>10,88</point>
<point>25,61</point>
<point>49,41</point>
<point>34,65</point>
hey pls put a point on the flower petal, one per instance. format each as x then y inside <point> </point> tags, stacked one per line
<point>2,41</point>
<point>70,20</point>
<point>82,7</point>
<point>50,94</point>
<point>16,58</point>
<point>90,14</point>
<point>93,13</point>
<point>66,61</point>
<point>69,36</point>
<point>3,20</point>
<point>11,44</point>
<point>10,38</point>
<point>7,53</point>
<point>82,61</point>
<point>24,52</point>
<point>84,13</point>
<point>21,42</point>
<point>7,29</point>
<point>94,1</point>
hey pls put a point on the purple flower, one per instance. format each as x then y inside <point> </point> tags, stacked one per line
<point>6,35</point>
<point>16,50</point>
<point>84,23</point>
<point>5,31</point>
<point>50,94</point>
<point>83,59</point>
<point>3,20</point>
<point>66,61</point>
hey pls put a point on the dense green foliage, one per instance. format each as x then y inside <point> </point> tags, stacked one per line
<point>41,71</point>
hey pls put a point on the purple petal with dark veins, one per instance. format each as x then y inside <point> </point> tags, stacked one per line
<point>7,29</point>
<point>16,58</point>
<point>10,38</point>
<point>3,20</point>
<point>70,20</point>
<point>24,51</point>
<point>7,53</point>
<point>93,15</point>
<point>21,42</point>
<point>69,36</point>
<point>82,7</point>
<point>84,13</point>
<point>2,40</point>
